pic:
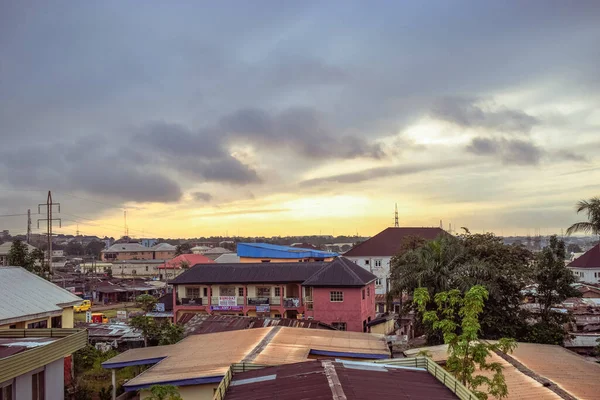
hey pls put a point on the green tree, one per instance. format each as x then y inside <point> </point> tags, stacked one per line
<point>148,327</point>
<point>457,316</point>
<point>170,333</point>
<point>164,392</point>
<point>592,208</point>
<point>33,261</point>
<point>74,248</point>
<point>17,255</point>
<point>94,248</point>
<point>184,248</point>
<point>146,302</point>
<point>574,248</point>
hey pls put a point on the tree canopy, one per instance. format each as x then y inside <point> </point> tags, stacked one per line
<point>33,261</point>
<point>590,207</point>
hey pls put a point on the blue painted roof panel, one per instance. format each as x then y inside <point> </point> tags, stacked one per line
<point>265,250</point>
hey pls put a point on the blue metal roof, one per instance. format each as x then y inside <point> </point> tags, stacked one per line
<point>265,250</point>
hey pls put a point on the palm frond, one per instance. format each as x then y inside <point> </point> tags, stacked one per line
<point>585,227</point>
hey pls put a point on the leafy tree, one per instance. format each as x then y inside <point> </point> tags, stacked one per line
<point>574,248</point>
<point>94,248</point>
<point>184,248</point>
<point>74,248</point>
<point>146,302</point>
<point>17,255</point>
<point>457,316</point>
<point>170,334</point>
<point>164,392</point>
<point>33,261</point>
<point>156,333</point>
<point>592,208</point>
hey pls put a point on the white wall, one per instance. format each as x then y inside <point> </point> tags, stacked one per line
<point>382,272</point>
<point>53,376</point>
<point>587,275</point>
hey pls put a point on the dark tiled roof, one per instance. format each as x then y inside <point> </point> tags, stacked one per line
<point>249,273</point>
<point>590,259</point>
<point>340,272</point>
<point>387,243</point>
<point>309,380</point>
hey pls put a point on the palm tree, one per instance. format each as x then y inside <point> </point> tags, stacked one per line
<point>592,208</point>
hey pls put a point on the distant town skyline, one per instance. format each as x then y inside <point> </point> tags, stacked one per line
<point>288,119</point>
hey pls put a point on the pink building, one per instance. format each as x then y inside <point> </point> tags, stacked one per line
<point>339,292</point>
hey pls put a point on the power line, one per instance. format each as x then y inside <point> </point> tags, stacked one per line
<point>14,215</point>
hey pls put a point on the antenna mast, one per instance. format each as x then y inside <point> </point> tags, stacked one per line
<point>28,225</point>
<point>49,208</point>
<point>396,224</point>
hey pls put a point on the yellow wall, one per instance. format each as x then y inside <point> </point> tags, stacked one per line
<point>385,328</point>
<point>274,260</point>
<point>195,392</point>
<point>67,317</point>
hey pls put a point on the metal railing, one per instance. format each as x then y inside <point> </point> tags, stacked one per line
<point>437,371</point>
<point>237,368</point>
<point>67,342</point>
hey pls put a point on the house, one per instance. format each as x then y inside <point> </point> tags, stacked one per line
<point>170,269</point>
<point>538,371</point>
<point>264,252</point>
<point>34,363</point>
<point>587,267</point>
<point>375,254</point>
<point>228,258</point>
<point>339,379</point>
<point>199,249</point>
<point>164,251</point>
<point>135,268</point>
<point>339,292</point>
<point>215,252</point>
<point>28,301</point>
<point>198,363</point>
<point>5,249</point>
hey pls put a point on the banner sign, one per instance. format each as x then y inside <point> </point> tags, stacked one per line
<point>263,308</point>
<point>228,301</point>
<point>226,308</point>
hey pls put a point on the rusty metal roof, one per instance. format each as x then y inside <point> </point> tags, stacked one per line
<point>388,241</point>
<point>205,323</point>
<point>351,380</point>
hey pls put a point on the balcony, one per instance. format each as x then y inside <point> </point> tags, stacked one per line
<point>259,301</point>
<point>192,302</point>
<point>291,302</point>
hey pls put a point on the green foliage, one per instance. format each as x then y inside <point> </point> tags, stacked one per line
<point>457,317</point>
<point>146,302</point>
<point>33,261</point>
<point>592,208</point>
<point>164,392</point>
<point>184,248</point>
<point>157,333</point>
<point>74,248</point>
<point>545,332</point>
<point>170,334</point>
<point>94,248</point>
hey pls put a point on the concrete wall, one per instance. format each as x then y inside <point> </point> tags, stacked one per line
<point>196,392</point>
<point>326,311</point>
<point>68,317</point>
<point>587,275</point>
<point>164,255</point>
<point>133,255</point>
<point>54,380</point>
<point>275,260</point>
<point>386,328</point>
<point>382,272</point>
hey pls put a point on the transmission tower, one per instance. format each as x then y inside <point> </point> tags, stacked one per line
<point>49,208</point>
<point>28,226</point>
<point>396,224</point>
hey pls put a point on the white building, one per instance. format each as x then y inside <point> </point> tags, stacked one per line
<point>376,253</point>
<point>587,267</point>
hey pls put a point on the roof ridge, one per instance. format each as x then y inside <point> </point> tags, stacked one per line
<point>349,269</point>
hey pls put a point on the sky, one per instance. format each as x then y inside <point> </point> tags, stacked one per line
<point>292,118</point>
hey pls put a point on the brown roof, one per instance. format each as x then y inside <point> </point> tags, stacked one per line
<point>205,323</point>
<point>340,272</point>
<point>387,243</point>
<point>189,259</point>
<point>589,259</point>
<point>349,380</point>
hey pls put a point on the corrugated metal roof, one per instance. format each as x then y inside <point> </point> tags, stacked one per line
<point>355,381</point>
<point>210,355</point>
<point>189,259</point>
<point>590,259</point>
<point>388,242</point>
<point>5,248</point>
<point>340,272</point>
<point>24,294</point>
<point>205,323</point>
<point>164,247</point>
<point>227,258</point>
<point>265,250</point>
<point>126,247</point>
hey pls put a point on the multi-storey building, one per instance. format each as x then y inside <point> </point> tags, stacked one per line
<point>265,252</point>
<point>339,293</point>
<point>135,251</point>
<point>587,267</point>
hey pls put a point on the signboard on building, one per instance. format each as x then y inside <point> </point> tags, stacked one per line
<point>88,316</point>
<point>228,301</point>
<point>159,307</point>
<point>226,308</point>
<point>122,315</point>
<point>263,308</point>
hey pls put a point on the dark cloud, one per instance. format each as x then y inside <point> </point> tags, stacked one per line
<point>381,172</point>
<point>473,113</point>
<point>510,151</point>
<point>569,155</point>
<point>202,196</point>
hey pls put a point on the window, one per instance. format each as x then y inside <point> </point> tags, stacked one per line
<point>241,292</point>
<point>146,268</point>
<point>276,315</point>
<point>368,292</point>
<point>378,282</point>
<point>37,386</point>
<point>192,292</point>
<point>6,392</point>
<point>378,263</point>
<point>38,325</point>
<point>12,327</point>
<point>226,291</point>
<point>363,294</point>
<point>336,297</point>
<point>340,326</point>
<point>366,262</point>
<point>263,291</point>
<point>133,272</point>
<point>56,322</point>
<point>277,292</point>
<point>205,292</point>
<point>265,260</point>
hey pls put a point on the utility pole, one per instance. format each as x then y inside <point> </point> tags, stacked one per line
<point>49,208</point>
<point>28,225</point>
<point>396,224</point>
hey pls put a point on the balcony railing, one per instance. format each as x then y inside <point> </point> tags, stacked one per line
<point>258,301</point>
<point>197,301</point>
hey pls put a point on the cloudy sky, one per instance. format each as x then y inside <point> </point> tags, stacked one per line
<point>289,117</point>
